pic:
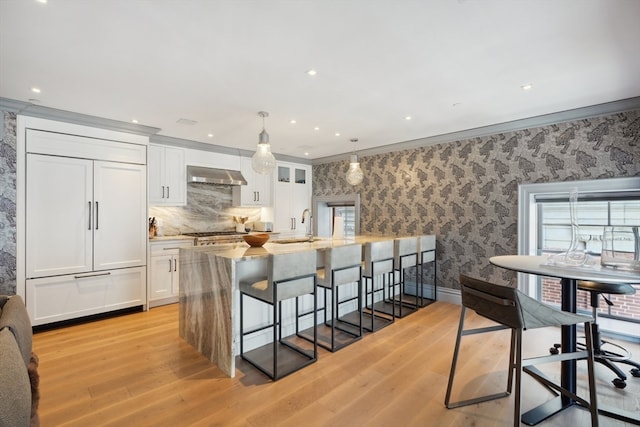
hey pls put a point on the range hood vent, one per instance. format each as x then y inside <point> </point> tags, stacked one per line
<point>214,176</point>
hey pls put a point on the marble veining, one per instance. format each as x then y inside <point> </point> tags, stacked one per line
<point>209,208</point>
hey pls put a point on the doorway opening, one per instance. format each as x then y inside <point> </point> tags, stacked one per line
<point>327,210</point>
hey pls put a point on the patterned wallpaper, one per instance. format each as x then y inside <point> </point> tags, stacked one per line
<point>466,192</point>
<point>7,203</point>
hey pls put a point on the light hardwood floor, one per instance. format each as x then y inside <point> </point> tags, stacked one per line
<point>134,370</point>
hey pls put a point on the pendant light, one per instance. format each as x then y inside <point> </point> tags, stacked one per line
<point>354,174</point>
<point>263,161</point>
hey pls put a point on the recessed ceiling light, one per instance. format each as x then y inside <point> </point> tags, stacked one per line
<point>337,133</point>
<point>316,128</point>
<point>528,86</point>
<point>312,72</point>
<point>306,154</point>
<point>408,118</point>
<point>210,135</point>
<point>134,121</point>
<point>42,1</point>
<point>292,121</point>
<point>35,89</point>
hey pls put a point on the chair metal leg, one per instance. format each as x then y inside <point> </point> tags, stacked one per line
<point>454,361</point>
<point>593,400</point>
<point>512,361</point>
<point>517,413</point>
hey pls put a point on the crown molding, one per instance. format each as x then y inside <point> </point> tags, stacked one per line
<point>203,146</point>
<point>33,110</point>
<point>608,108</point>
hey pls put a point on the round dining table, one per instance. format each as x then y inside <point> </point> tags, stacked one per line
<point>569,276</point>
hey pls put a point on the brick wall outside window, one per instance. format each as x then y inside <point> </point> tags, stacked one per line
<point>626,306</point>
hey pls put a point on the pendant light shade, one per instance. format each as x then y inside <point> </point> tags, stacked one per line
<point>354,174</point>
<point>263,161</point>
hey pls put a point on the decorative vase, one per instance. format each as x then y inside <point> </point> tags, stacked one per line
<point>576,254</point>
<point>621,248</point>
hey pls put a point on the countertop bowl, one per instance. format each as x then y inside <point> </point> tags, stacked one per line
<point>256,240</point>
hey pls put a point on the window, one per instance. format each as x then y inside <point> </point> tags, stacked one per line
<point>545,228</point>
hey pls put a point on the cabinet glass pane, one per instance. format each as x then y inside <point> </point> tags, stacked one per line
<point>301,176</point>
<point>283,174</point>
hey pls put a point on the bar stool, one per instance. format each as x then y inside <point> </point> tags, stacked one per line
<point>289,276</point>
<point>342,266</point>
<point>617,353</point>
<point>405,255</point>
<point>512,309</point>
<point>426,255</point>
<point>378,262</point>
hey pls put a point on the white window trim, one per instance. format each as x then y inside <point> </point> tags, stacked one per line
<point>528,215</point>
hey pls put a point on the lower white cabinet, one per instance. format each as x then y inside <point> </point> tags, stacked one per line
<point>53,299</point>
<point>164,273</point>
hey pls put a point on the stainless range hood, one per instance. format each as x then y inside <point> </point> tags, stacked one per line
<point>214,176</point>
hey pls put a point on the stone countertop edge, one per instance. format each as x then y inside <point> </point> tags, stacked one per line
<point>169,238</point>
<point>242,251</point>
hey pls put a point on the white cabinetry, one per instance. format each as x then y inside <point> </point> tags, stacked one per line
<point>57,298</point>
<point>167,176</point>
<point>257,192</point>
<point>164,273</point>
<point>292,196</point>
<point>85,225</point>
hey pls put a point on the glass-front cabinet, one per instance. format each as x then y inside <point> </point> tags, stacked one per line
<point>292,197</point>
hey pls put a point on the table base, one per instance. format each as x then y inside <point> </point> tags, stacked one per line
<point>544,411</point>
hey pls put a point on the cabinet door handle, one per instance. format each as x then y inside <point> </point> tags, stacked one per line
<point>258,196</point>
<point>163,191</point>
<point>170,266</point>
<point>175,265</point>
<point>90,216</point>
<point>97,218</point>
<point>92,275</point>
<point>168,192</point>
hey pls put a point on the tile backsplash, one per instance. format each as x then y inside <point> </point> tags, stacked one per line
<point>209,208</point>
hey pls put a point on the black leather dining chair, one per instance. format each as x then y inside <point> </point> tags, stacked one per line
<point>511,309</point>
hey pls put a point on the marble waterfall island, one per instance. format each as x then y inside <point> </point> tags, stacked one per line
<point>209,277</point>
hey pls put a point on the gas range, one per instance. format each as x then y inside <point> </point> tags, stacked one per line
<point>206,238</point>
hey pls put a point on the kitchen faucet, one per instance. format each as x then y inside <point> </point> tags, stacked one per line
<point>310,233</point>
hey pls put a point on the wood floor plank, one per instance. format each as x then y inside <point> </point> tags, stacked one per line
<point>134,370</point>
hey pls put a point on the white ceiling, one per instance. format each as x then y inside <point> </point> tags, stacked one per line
<point>450,65</point>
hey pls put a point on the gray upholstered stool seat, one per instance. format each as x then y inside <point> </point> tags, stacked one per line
<point>288,276</point>
<point>342,267</point>
<point>511,309</point>
<point>377,264</point>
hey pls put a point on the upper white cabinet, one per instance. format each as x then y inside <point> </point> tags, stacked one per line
<point>257,192</point>
<point>167,176</point>
<point>292,197</point>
